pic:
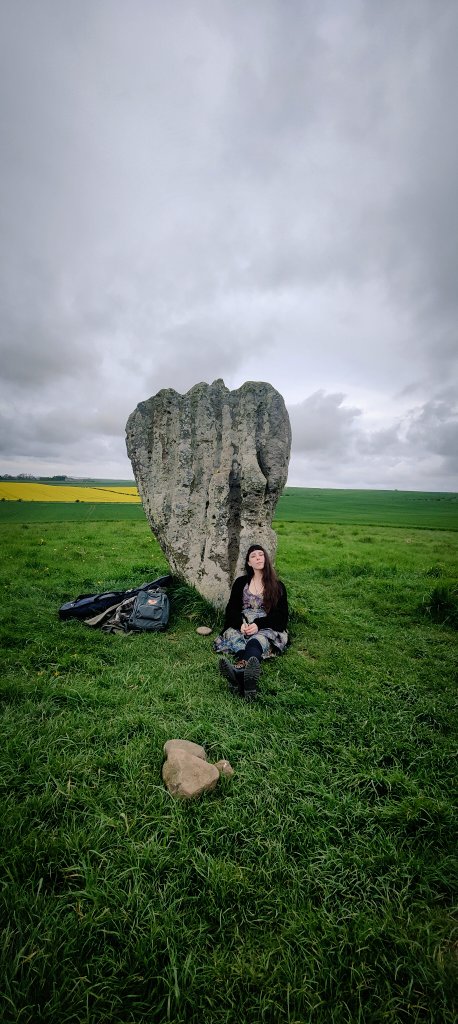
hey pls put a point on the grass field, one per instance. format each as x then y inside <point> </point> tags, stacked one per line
<point>318,884</point>
<point>69,512</point>
<point>382,508</point>
<point>432,511</point>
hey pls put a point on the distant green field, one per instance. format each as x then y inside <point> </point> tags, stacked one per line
<point>409,509</point>
<point>68,512</point>
<point>89,482</point>
<point>431,510</point>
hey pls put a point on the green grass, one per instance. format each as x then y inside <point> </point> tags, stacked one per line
<point>69,512</point>
<point>436,511</point>
<point>409,509</point>
<point>86,482</point>
<point>317,885</point>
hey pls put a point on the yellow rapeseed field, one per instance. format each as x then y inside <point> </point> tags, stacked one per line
<point>64,492</point>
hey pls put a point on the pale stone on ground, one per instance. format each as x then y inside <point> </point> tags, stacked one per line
<point>185,747</point>
<point>224,768</point>
<point>203,630</point>
<point>188,776</point>
<point>210,466</point>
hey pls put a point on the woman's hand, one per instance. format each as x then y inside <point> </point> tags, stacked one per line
<point>248,628</point>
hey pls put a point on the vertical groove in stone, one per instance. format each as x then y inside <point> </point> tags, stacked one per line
<point>234,517</point>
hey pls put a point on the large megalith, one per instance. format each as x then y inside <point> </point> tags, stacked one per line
<point>210,466</point>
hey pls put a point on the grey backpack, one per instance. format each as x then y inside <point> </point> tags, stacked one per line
<point>150,612</point>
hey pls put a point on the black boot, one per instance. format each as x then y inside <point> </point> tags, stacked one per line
<point>250,679</point>
<point>233,675</point>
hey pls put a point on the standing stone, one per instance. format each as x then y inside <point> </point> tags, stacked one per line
<point>210,466</point>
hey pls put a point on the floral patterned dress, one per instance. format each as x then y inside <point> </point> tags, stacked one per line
<point>232,640</point>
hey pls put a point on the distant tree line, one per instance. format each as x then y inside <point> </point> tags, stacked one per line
<point>29,476</point>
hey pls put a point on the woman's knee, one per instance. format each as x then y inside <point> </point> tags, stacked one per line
<point>253,649</point>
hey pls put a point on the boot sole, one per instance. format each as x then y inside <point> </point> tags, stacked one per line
<point>226,670</point>
<point>250,680</point>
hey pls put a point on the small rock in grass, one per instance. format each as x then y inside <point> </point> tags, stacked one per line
<point>188,776</point>
<point>203,630</point>
<point>224,768</point>
<point>185,747</point>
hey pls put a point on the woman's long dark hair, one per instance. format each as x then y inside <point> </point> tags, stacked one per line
<point>270,581</point>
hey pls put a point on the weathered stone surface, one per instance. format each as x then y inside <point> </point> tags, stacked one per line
<point>185,747</point>
<point>224,768</point>
<point>188,776</point>
<point>210,466</point>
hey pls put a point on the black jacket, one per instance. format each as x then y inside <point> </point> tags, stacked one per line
<point>276,619</point>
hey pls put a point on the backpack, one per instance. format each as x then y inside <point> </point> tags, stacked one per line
<point>87,605</point>
<point>150,612</point>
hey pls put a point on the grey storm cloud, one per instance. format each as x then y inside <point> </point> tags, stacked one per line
<point>324,427</point>
<point>321,423</point>
<point>434,427</point>
<point>381,442</point>
<point>262,191</point>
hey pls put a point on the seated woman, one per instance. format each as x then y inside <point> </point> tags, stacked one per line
<point>254,624</point>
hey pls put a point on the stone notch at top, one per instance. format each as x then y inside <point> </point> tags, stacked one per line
<point>210,466</point>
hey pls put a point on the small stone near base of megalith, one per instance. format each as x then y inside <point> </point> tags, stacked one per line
<point>185,747</point>
<point>224,768</point>
<point>188,776</point>
<point>203,630</point>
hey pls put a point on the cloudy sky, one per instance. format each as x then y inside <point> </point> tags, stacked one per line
<point>263,190</point>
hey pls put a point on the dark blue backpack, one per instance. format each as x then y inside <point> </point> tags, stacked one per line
<point>150,612</point>
<point>87,605</point>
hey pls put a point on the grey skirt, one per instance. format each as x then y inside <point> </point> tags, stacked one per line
<point>232,641</point>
